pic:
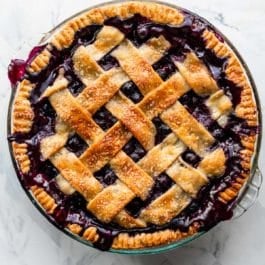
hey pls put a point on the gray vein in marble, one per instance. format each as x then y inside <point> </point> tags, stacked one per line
<point>88,259</point>
<point>55,14</point>
<point>221,19</point>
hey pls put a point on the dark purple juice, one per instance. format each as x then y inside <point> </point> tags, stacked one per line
<point>17,67</point>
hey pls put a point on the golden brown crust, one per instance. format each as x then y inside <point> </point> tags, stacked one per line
<point>102,90</point>
<point>20,153</point>
<point>186,127</point>
<point>45,200</point>
<point>107,38</point>
<point>116,196</point>
<point>188,178</point>
<point>64,185</point>
<point>162,156</point>
<point>196,75</point>
<point>127,221</point>
<point>143,240</point>
<point>213,164</point>
<point>106,147</point>
<point>156,12</point>
<point>132,175</point>
<point>136,67</point>
<point>75,116</point>
<point>41,61</point>
<point>85,66</point>
<point>219,104</point>
<point>76,173</point>
<point>230,193</point>
<point>75,228</point>
<point>90,234</point>
<point>156,101</point>
<point>22,118</point>
<point>166,206</point>
<point>64,36</point>
<point>153,49</point>
<point>52,144</point>
<point>22,114</point>
<point>133,119</point>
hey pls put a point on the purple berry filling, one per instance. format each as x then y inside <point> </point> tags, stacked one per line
<point>162,130</point>
<point>106,176</point>
<point>104,118</point>
<point>130,90</point>
<point>162,183</point>
<point>134,150</point>
<point>165,67</point>
<point>108,62</point>
<point>76,144</point>
<point>190,157</point>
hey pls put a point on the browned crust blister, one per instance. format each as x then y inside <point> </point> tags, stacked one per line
<point>23,115</point>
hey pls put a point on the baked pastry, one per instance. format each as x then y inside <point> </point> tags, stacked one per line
<point>134,125</point>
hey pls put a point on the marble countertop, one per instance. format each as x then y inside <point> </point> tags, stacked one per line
<point>26,238</point>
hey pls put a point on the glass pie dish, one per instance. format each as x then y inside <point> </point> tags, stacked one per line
<point>245,198</point>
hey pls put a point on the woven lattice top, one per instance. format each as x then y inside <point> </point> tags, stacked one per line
<point>137,118</point>
<point>160,99</point>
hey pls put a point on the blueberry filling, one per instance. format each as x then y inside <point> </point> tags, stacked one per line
<point>164,67</point>
<point>106,237</point>
<point>76,144</point>
<point>130,90</point>
<point>75,85</point>
<point>45,118</point>
<point>206,209</point>
<point>104,118</point>
<point>190,157</point>
<point>235,125</point>
<point>107,62</point>
<point>106,176</point>
<point>48,169</point>
<point>134,150</point>
<point>135,206</point>
<point>162,130</point>
<point>77,201</point>
<point>162,183</point>
<point>86,36</point>
<point>136,28</point>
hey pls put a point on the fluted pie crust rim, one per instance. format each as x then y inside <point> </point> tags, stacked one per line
<point>22,114</point>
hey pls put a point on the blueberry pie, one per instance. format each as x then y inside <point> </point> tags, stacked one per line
<point>134,125</point>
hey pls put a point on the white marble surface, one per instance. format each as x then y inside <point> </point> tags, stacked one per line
<point>26,238</point>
